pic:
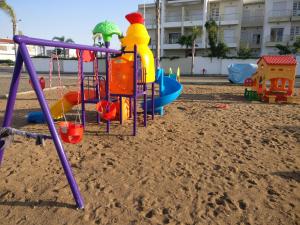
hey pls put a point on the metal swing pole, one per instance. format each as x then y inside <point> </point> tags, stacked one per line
<point>12,96</point>
<point>58,145</point>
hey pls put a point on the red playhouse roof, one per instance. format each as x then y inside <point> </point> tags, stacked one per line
<point>279,59</point>
<point>135,17</point>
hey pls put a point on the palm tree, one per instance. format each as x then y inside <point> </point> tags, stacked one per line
<point>63,39</point>
<point>185,41</point>
<point>196,32</point>
<point>11,13</point>
<point>190,41</point>
<point>157,34</point>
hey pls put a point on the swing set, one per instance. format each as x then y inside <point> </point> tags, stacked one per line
<point>70,132</point>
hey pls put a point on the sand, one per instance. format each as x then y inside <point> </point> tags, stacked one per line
<point>195,165</point>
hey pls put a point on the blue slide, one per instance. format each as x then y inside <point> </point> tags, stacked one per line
<point>169,91</point>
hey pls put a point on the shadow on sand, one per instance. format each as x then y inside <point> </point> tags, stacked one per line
<point>38,204</point>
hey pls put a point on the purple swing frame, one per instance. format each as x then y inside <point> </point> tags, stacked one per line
<point>24,57</point>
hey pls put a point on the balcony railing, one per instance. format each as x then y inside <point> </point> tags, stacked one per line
<point>249,43</point>
<point>225,17</point>
<point>193,17</point>
<point>150,21</point>
<point>253,20</point>
<point>280,13</point>
<point>273,40</point>
<point>173,18</point>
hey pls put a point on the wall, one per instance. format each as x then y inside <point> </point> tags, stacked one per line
<point>212,66</point>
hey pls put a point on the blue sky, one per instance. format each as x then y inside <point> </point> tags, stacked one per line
<point>72,18</point>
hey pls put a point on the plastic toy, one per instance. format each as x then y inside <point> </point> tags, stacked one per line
<point>42,82</point>
<point>274,81</point>
<point>238,73</point>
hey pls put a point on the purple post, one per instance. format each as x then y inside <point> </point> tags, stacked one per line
<point>135,77</point>
<point>121,110</point>
<point>107,83</point>
<point>59,148</point>
<point>130,107</point>
<point>98,84</point>
<point>12,96</point>
<point>145,103</point>
<point>82,88</point>
<point>152,100</point>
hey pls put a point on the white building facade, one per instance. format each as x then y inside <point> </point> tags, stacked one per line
<point>255,24</point>
<point>7,49</point>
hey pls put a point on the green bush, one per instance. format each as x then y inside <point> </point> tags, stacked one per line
<point>7,62</point>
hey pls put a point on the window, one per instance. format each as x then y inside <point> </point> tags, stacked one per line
<point>256,39</point>
<point>230,13</point>
<point>280,8</point>
<point>276,34</point>
<point>214,13</point>
<point>295,33</point>
<point>296,8</point>
<point>174,37</point>
<point>229,36</point>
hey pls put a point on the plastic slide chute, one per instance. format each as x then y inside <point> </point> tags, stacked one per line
<point>238,73</point>
<point>62,106</point>
<point>169,90</point>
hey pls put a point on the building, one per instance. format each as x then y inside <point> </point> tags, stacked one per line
<point>281,24</point>
<point>252,25</point>
<point>178,17</point>
<point>256,24</point>
<point>7,49</point>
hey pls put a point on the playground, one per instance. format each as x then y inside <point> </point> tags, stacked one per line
<point>139,145</point>
<point>196,163</point>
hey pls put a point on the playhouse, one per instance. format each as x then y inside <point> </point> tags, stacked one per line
<point>274,80</point>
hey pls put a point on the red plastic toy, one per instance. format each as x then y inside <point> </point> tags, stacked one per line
<point>42,82</point>
<point>107,110</point>
<point>70,132</point>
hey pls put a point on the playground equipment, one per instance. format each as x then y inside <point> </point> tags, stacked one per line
<point>42,82</point>
<point>140,74</point>
<point>169,90</point>
<point>238,73</point>
<point>274,81</point>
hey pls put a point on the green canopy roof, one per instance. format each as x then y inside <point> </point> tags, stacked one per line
<point>107,30</point>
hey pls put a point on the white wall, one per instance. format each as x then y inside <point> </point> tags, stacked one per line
<point>212,66</point>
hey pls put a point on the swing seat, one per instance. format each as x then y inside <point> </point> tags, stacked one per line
<point>107,110</point>
<point>70,132</point>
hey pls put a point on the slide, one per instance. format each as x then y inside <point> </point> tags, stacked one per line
<point>62,106</point>
<point>169,90</point>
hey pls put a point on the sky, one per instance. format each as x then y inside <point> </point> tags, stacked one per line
<point>70,18</point>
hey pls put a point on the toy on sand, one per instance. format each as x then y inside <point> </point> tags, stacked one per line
<point>274,80</point>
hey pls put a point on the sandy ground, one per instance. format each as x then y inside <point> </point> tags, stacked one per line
<point>195,165</point>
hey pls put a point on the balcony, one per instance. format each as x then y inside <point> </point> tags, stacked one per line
<point>226,19</point>
<point>280,15</point>
<point>272,41</point>
<point>172,44</point>
<point>173,21</point>
<point>249,43</point>
<point>296,15</point>
<point>252,21</point>
<point>193,20</point>
<point>181,1</point>
<point>150,22</point>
